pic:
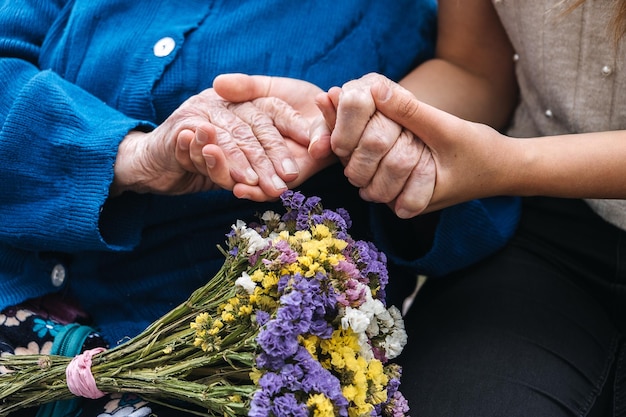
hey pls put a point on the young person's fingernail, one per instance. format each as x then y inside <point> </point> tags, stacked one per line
<point>384,92</point>
<point>210,161</point>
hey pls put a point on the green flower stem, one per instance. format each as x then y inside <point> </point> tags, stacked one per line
<point>161,360</point>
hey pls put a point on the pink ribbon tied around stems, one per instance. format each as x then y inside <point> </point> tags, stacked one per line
<point>80,380</point>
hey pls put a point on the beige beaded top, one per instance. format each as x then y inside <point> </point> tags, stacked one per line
<point>572,76</point>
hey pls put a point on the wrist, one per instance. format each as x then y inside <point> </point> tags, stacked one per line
<point>126,176</point>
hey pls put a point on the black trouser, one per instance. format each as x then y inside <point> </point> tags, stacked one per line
<point>535,330</point>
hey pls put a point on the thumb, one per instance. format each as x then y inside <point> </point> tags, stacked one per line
<point>236,87</point>
<point>400,105</point>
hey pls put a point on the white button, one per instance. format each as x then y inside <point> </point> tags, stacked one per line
<point>606,70</point>
<point>515,57</point>
<point>549,114</point>
<point>164,47</point>
<point>57,276</point>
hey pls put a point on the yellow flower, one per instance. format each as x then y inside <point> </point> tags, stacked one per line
<point>228,317</point>
<point>378,396</point>
<point>337,360</point>
<point>334,259</point>
<point>235,398</point>
<point>301,236</point>
<point>349,391</point>
<point>309,266</point>
<point>257,275</point>
<point>202,320</point>
<point>315,249</point>
<point>321,231</point>
<point>375,373</point>
<point>310,343</point>
<point>340,244</point>
<point>321,406</point>
<point>255,376</point>
<point>245,310</point>
<point>269,280</point>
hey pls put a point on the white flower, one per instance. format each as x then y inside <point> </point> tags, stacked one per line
<point>396,340</point>
<point>245,282</point>
<point>269,216</point>
<point>371,307</point>
<point>355,319</point>
<point>256,242</point>
<point>394,343</point>
<point>239,226</point>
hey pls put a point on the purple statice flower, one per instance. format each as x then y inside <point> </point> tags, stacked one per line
<point>317,379</point>
<point>345,216</point>
<point>283,282</point>
<point>398,406</point>
<point>328,297</point>
<point>394,372</point>
<point>262,317</point>
<point>302,221</point>
<point>321,328</point>
<point>292,375</point>
<point>260,404</point>
<point>292,200</point>
<point>265,361</point>
<point>302,215</point>
<point>272,383</point>
<point>393,386</point>
<point>310,205</point>
<point>380,354</point>
<point>302,376</point>
<point>278,339</point>
<point>287,405</point>
<point>291,311</point>
<point>252,259</point>
<point>372,263</point>
<point>298,208</point>
<point>332,217</point>
<point>271,254</point>
<point>304,304</point>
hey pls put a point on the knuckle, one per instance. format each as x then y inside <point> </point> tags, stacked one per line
<point>241,132</point>
<point>375,143</point>
<point>271,105</point>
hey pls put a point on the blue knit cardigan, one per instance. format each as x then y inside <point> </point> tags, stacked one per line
<point>78,75</point>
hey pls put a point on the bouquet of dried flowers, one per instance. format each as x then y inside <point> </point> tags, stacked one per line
<point>293,324</point>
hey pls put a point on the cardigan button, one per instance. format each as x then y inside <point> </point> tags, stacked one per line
<point>606,70</point>
<point>58,275</point>
<point>164,47</point>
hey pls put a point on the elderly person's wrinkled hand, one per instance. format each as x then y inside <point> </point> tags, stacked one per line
<point>291,105</point>
<point>386,161</point>
<point>172,158</point>
<point>472,160</point>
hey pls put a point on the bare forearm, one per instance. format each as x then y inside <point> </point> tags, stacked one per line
<point>464,94</point>
<point>589,165</point>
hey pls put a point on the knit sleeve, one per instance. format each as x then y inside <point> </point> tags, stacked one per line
<point>465,234</point>
<point>58,145</point>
